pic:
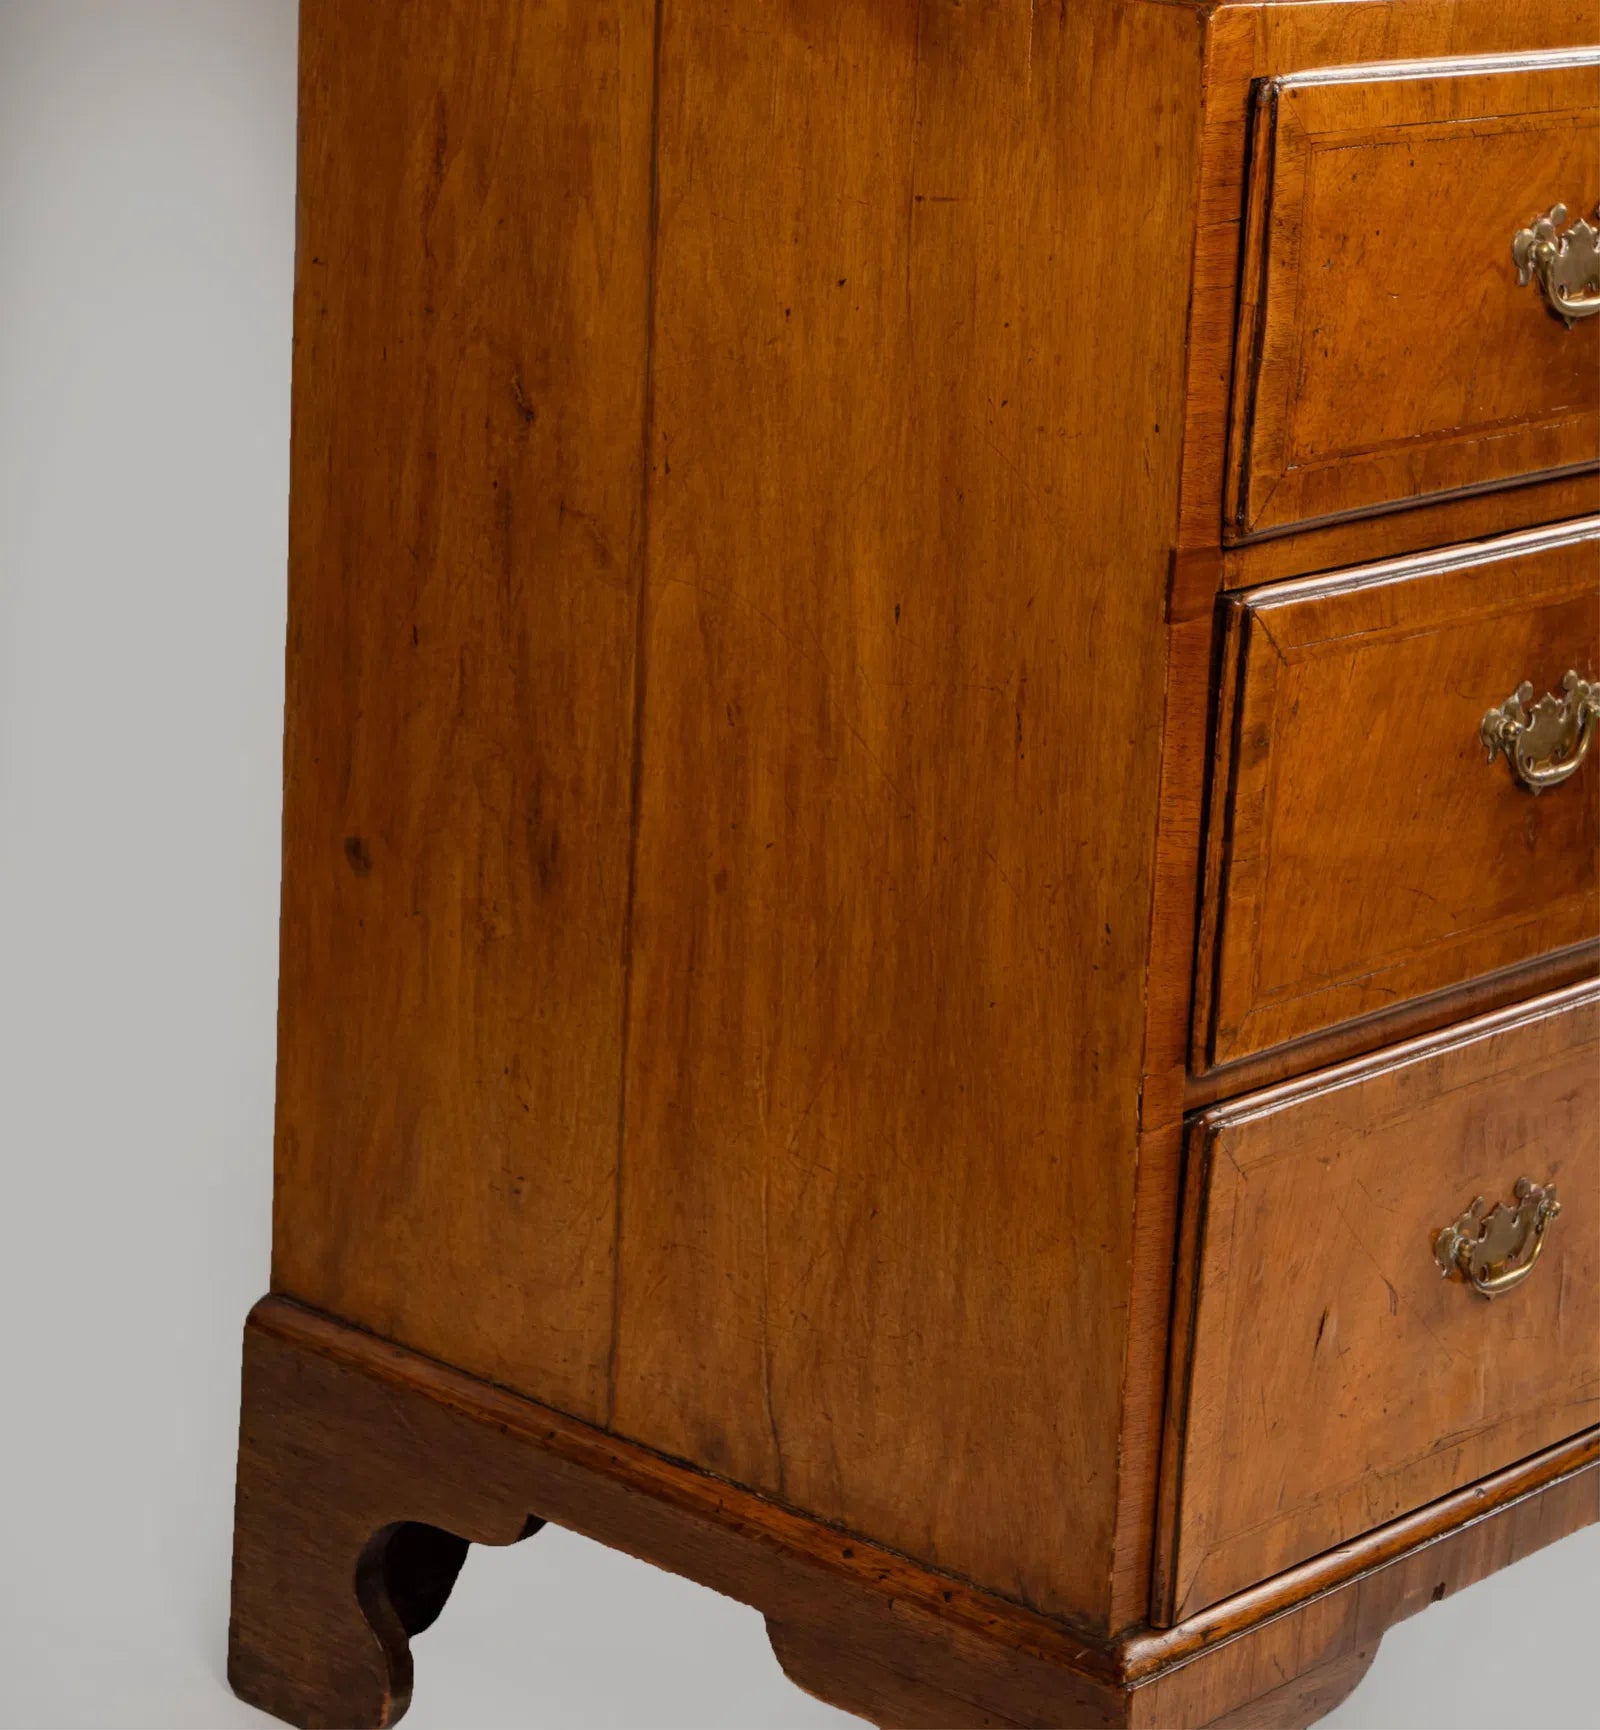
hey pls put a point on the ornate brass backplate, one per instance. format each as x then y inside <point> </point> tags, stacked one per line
<point>1494,1254</point>
<point>1543,744</point>
<point>1567,265</point>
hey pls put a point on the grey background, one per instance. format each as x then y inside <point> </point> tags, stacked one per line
<point>146,237</point>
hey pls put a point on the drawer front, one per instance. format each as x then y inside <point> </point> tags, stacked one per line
<point>1363,850</point>
<point>1387,353</point>
<point>1336,1378</point>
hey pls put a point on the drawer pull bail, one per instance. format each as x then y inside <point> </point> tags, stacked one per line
<point>1495,1254</point>
<point>1567,265</point>
<point>1543,744</point>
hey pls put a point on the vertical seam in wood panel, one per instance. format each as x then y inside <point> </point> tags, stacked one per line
<point>640,636</point>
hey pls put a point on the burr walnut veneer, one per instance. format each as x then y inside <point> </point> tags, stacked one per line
<point>940,889</point>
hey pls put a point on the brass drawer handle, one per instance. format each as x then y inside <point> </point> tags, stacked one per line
<point>1495,1255</point>
<point>1567,265</point>
<point>1544,744</point>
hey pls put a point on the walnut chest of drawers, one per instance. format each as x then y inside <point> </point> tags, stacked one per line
<point>940,901</point>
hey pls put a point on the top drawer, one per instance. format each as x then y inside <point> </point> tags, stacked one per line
<point>1387,353</point>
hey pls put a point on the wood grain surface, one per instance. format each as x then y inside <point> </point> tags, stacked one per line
<point>360,1462</point>
<point>1333,1379</point>
<point>1265,1673</point>
<point>760,897</point>
<point>1362,849</point>
<point>465,545</point>
<point>909,524</point>
<point>1405,1020</point>
<point>1380,361</point>
<point>1247,43</point>
<point>758,486</point>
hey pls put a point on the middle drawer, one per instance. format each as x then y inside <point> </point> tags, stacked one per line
<point>1363,849</point>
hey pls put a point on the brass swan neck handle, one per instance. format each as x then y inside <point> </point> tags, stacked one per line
<point>1495,1253</point>
<point>1567,265</point>
<point>1544,743</point>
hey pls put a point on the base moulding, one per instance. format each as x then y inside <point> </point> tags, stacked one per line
<point>366,1470</point>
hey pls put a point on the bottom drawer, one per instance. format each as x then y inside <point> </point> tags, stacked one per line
<point>1328,1376</point>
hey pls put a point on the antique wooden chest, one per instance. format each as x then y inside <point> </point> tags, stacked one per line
<point>940,901</point>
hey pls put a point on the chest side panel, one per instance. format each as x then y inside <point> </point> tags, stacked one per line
<point>912,506</point>
<point>471,301</point>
